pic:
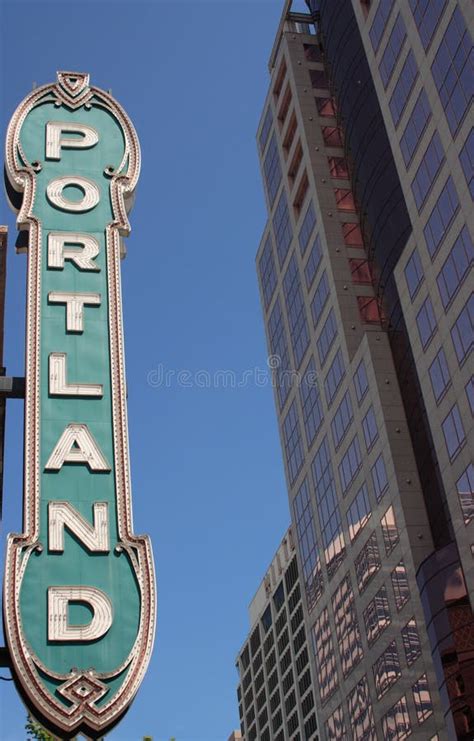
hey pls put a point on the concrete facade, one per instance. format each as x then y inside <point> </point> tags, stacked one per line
<point>377,464</point>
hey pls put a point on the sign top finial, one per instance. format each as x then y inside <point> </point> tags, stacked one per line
<point>73,87</point>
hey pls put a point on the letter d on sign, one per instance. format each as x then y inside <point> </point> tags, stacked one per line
<point>58,619</point>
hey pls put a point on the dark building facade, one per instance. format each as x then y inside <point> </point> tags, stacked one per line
<point>276,683</point>
<point>365,266</point>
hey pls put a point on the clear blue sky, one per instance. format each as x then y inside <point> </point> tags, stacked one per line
<point>208,480</point>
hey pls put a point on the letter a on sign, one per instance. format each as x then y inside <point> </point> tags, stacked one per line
<point>79,587</point>
<point>76,445</point>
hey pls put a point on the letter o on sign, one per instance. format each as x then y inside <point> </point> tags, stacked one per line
<point>89,200</point>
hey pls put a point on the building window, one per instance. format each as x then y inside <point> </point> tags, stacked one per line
<point>325,657</point>
<point>352,235</point>
<point>390,533</point>
<point>452,71</point>
<point>301,194</point>
<point>266,269</point>
<point>466,157</point>
<point>377,616</point>
<point>469,389</point>
<point>439,375</point>
<point>462,332</point>
<point>414,274</point>
<point>314,261</point>
<point>320,297</point>
<point>379,477</point>
<point>347,626</point>
<point>312,53</point>
<point>336,726</point>
<point>360,271</point>
<point>318,79</point>
<point>266,128</point>
<point>332,136</point>
<point>400,586</point>
<point>427,16</point>
<point>245,658</point>
<point>255,641</point>
<point>267,620</point>
<point>338,168</point>
<point>311,403</point>
<point>290,134</point>
<point>403,88</point>
<point>361,713</point>
<point>344,199</point>
<point>415,127</point>
<point>282,228</point>
<point>465,488</point>
<point>453,431</point>
<point>379,23</point>
<point>386,669</point>
<point>396,722</point>
<point>428,171</point>
<point>279,597</point>
<point>350,465</point>
<point>280,79</point>
<point>441,217</point>
<point>310,727</point>
<point>361,381</point>
<point>327,337</point>
<point>392,51</point>
<point>369,426</point>
<point>342,420</point>
<point>279,349</point>
<point>411,641</point>
<point>369,310</point>
<point>285,104</point>
<point>359,513</point>
<point>272,170</point>
<point>326,107</point>
<point>328,509</point>
<point>307,543</point>
<point>367,562</point>
<point>422,699</point>
<point>277,720</point>
<point>295,163</point>
<point>456,267</point>
<point>426,322</point>
<point>292,443</point>
<point>309,222</point>
<point>296,311</point>
<point>334,377</point>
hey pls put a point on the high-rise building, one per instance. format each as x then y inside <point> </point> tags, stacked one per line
<point>276,688</point>
<point>235,736</point>
<point>366,150</point>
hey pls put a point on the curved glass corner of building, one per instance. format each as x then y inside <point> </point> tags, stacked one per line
<point>450,624</point>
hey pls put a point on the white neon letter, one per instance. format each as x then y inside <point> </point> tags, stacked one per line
<point>95,537</point>
<point>90,197</point>
<point>76,445</point>
<point>82,254</point>
<point>75,303</point>
<point>58,385</point>
<point>54,142</point>
<point>59,628</point>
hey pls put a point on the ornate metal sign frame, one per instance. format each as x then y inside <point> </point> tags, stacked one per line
<point>77,703</point>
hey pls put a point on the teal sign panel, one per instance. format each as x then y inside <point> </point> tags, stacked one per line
<point>79,595</point>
